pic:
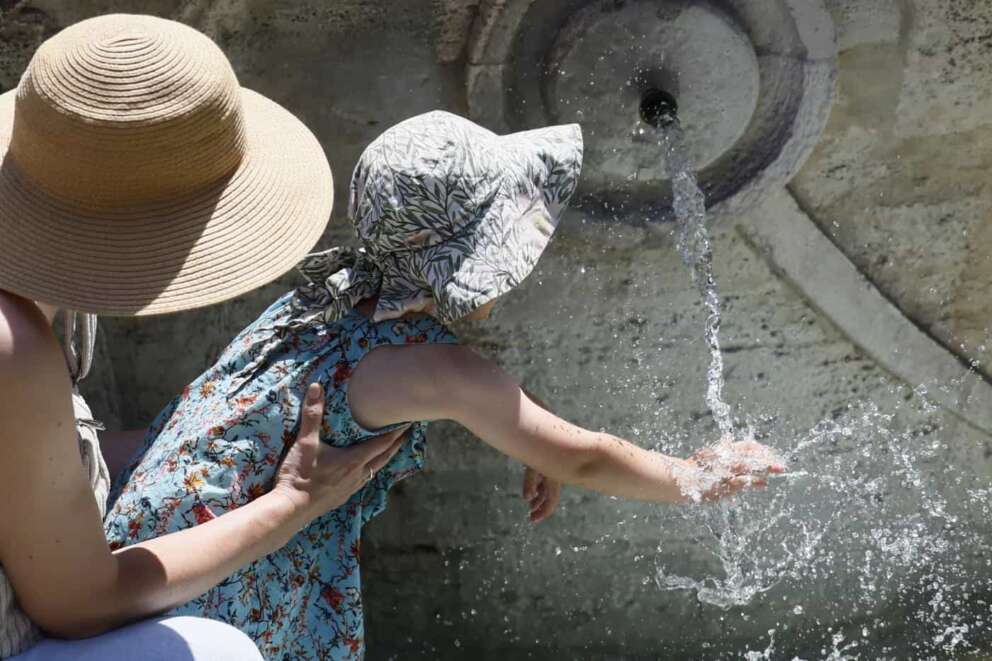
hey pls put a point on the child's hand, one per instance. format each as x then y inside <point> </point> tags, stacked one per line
<point>728,467</point>
<point>542,492</point>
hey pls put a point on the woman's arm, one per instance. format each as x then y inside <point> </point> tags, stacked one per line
<point>52,545</point>
<point>451,382</point>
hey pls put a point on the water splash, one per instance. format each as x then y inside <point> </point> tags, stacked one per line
<point>861,511</point>
<point>861,536</point>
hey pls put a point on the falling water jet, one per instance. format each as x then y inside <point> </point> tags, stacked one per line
<point>659,109</point>
<point>923,543</point>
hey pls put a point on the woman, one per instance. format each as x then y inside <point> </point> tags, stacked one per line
<point>451,217</point>
<point>137,177</point>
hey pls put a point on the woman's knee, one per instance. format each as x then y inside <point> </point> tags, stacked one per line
<point>165,639</point>
<point>210,639</point>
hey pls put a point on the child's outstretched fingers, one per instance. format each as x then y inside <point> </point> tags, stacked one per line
<point>542,507</point>
<point>542,494</point>
<point>531,479</point>
<point>758,458</point>
<point>730,486</point>
<point>776,464</point>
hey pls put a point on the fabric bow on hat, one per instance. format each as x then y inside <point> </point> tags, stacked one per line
<point>337,280</point>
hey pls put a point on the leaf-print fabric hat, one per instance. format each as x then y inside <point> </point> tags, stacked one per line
<point>451,216</point>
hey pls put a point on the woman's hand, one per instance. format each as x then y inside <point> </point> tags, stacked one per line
<point>315,477</point>
<point>722,470</point>
<point>542,493</point>
<point>52,543</point>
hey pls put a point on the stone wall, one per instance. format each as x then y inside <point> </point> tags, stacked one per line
<point>608,329</point>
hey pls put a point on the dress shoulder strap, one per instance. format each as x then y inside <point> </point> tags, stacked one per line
<point>79,343</point>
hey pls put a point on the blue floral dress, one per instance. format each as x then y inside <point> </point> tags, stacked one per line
<point>217,446</point>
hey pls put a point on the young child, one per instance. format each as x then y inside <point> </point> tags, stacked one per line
<point>451,217</point>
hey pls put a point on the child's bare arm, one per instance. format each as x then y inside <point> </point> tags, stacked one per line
<point>396,384</point>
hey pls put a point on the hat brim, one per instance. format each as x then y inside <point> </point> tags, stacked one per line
<point>497,266</point>
<point>513,234</point>
<point>238,234</point>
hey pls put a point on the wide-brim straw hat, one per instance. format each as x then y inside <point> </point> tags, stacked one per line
<point>138,177</point>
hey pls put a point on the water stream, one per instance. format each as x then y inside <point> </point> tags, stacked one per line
<point>697,253</point>
<point>863,512</point>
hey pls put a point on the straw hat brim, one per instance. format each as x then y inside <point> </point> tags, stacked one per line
<point>242,232</point>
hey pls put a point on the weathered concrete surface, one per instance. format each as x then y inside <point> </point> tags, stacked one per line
<point>805,256</point>
<point>608,328</point>
<point>900,178</point>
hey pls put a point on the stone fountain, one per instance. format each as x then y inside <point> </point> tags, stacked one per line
<point>753,81</point>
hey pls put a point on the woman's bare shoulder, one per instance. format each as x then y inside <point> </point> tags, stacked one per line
<point>31,360</point>
<point>25,336</point>
<point>35,389</point>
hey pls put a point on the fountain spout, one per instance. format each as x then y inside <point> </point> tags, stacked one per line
<point>658,108</point>
<point>753,80</point>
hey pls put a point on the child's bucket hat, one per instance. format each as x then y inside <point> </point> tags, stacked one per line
<point>451,216</point>
<point>137,176</point>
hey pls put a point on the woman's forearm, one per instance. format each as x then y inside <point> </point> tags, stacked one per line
<point>158,574</point>
<point>165,572</point>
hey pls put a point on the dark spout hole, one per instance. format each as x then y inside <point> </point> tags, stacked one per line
<point>658,108</point>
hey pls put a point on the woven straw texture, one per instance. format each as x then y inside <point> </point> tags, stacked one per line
<point>137,177</point>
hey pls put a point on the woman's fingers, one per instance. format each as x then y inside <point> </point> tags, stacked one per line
<point>311,418</point>
<point>319,477</point>
<point>379,461</point>
<point>313,410</point>
<point>363,453</point>
<point>357,464</point>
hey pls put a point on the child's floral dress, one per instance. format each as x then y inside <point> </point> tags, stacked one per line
<point>217,446</point>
